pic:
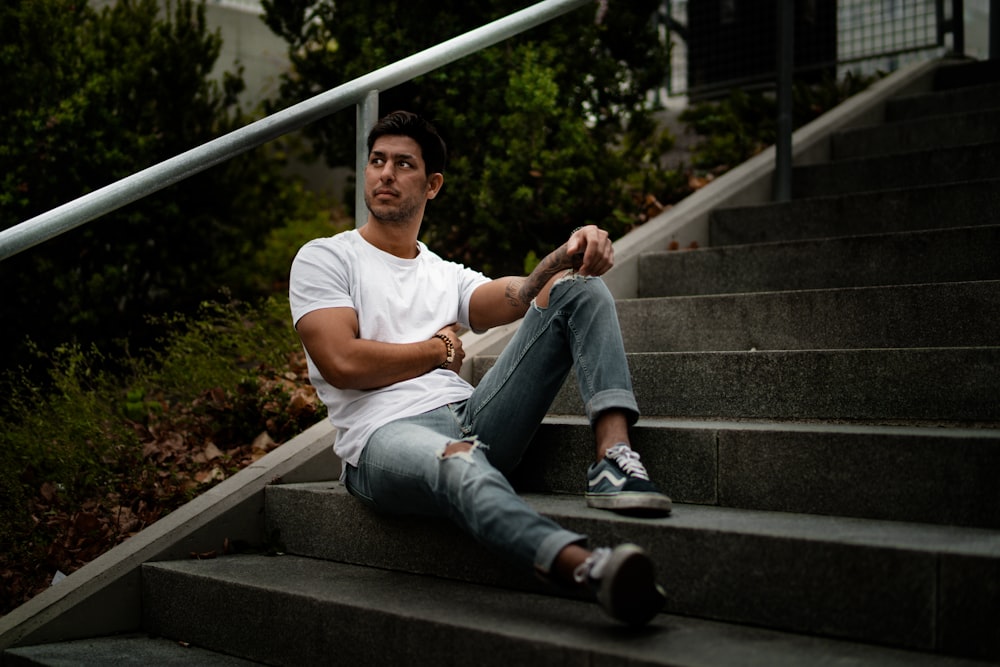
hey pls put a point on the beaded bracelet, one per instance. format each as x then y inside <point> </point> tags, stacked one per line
<point>451,350</point>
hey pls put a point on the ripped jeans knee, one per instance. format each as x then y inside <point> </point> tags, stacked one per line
<point>544,298</point>
<point>461,449</point>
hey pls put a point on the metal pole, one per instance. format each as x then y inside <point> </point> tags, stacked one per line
<point>367,117</point>
<point>994,30</point>
<point>783,141</point>
<point>940,21</point>
<point>958,27</point>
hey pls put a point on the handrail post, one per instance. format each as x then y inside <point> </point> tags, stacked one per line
<point>782,190</point>
<point>994,34</point>
<point>367,114</point>
<point>955,25</point>
<point>958,27</point>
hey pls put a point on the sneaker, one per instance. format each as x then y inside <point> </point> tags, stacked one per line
<point>620,483</point>
<point>624,582</point>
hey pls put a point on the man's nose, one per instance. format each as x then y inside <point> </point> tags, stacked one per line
<point>388,172</point>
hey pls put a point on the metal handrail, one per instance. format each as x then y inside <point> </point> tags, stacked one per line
<point>362,92</point>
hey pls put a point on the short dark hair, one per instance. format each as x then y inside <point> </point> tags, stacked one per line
<point>408,124</point>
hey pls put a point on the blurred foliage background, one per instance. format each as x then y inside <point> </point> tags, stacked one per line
<point>547,131</point>
<point>89,97</point>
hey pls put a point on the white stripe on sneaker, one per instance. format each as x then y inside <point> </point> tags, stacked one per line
<point>617,482</point>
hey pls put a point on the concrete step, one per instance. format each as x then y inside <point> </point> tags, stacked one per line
<point>935,315</point>
<point>137,650</point>
<point>893,386</point>
<point>924,474</point>
<point>941,103</point>
<point>965,204</point>
<point>963,74</point>
<point>927,256</point>
<point>318,612</point>
<point>921,134</point>
<point>908,585</point>
<point>945,165</point>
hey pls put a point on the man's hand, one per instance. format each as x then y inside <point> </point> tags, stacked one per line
<point>451,332</point>
<point>591,251</point>
<point>588,251</point>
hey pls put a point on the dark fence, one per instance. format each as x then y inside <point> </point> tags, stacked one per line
<point>724,44</point>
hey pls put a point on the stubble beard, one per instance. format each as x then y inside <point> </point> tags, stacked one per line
<point>397,215</point>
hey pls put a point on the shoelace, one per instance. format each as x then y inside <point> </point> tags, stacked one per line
<point>628,461</point>
<point>593,567</point>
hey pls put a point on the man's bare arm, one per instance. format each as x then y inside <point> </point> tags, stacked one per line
<point>349,362</point>
<point>501,301</point>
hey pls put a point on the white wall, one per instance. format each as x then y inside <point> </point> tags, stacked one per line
<point>248,42</point>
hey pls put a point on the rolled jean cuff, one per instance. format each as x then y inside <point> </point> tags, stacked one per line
<point>552,545</point>
<point>613,399</point>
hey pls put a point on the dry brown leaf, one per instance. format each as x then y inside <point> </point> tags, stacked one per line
<point>300,400</point>
<point>48,491</point>
<point>126,519</point>
<point>85,522</point>
<point>216,474</point>
<point>263,442</point>
<point>211,452</point>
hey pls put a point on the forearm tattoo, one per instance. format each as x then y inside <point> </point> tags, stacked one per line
<point>511,292</point>
<point>552,264</point>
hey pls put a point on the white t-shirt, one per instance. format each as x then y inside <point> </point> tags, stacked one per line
<point>397,301</point>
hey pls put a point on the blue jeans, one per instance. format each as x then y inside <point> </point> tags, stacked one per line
<point>403,469</point>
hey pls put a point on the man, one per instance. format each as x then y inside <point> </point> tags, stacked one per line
<point>378,314</point>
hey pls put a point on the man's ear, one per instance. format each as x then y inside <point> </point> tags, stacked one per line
<point>434,183</point>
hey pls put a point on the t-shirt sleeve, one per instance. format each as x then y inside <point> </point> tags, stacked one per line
<point>468,281</point>
<point>319,278</point>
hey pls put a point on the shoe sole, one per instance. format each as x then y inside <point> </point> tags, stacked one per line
<point>633,503</point>
<point>628,590</point>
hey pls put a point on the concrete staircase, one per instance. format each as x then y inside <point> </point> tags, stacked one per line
<point>821,398</point>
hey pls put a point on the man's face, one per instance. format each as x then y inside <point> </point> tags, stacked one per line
<point>396,185</point>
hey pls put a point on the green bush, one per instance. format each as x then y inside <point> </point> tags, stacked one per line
<point>89,97</point>
<point>266,270</point>
<point>742,124</point>
<point>732,129</point>
<point>89,457</point>
<point>59,445</point>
